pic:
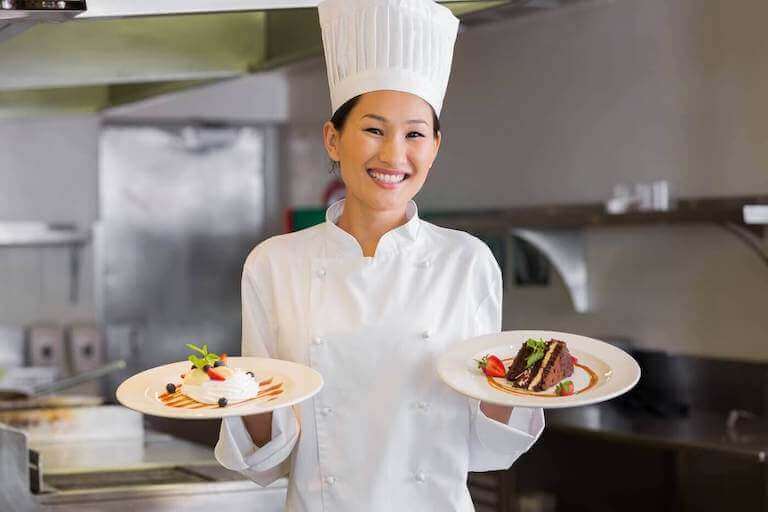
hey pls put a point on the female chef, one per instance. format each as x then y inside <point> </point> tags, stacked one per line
<point>373,296</point>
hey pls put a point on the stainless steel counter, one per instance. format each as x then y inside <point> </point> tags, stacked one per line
<point>155,473</point>
<point>701,430</point>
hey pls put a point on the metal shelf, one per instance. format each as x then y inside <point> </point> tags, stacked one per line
<point>557,231</point>
<point>38,234</point>
<point>42,235</point>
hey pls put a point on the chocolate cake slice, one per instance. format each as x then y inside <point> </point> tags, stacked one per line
<point>540,365</point>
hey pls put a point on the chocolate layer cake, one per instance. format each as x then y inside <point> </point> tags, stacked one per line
<point>540,365</point>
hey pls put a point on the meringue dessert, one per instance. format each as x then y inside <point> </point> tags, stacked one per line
<point>211,381</point>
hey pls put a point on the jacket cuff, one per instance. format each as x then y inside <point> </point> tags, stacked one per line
<point>516,436</point>
<point>236,451</point>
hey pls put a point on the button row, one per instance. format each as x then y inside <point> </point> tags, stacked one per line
<point>420,477</point>
<point>321,272</point>
<point>317,340</point>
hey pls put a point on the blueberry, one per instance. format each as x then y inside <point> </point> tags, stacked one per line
<point>218,363</point>
<point>171,388</point>
<point>222,402</point>
<point>206,368</point>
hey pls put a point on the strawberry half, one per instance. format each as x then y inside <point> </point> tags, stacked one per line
<point>492,366</point>
<point>565,388</point>
<point>214,375</point>
<point>575,361</point>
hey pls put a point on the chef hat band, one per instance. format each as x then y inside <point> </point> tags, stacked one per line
<point>401,45</point>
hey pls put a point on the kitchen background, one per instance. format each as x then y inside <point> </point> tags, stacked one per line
<point>554,108</point>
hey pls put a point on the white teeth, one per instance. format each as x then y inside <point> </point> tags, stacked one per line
<point>387,178</point>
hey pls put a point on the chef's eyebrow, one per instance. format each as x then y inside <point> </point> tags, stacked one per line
<point>384,119</point>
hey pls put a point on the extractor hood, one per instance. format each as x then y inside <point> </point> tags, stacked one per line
<point>114,52</point>
<point>16,16</point>
<point>49,10</point>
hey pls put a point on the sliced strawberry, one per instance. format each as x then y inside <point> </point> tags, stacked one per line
<point>575,361</point>
<point>214,375</point>
<point>492,366</point>
<point>223,358</point>
<point>565,388</point>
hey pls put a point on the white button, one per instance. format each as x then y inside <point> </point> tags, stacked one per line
<point>424,264</point>
<point>329,480</point>
<point>318,340</point>
<point>325,411</point>
<point>426,334</point>
<point>420,476</point>
<point>423,406</point>
<point>321,273</point>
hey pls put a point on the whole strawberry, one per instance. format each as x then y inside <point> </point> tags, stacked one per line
<point>492,366</point>
<point>565,388</point>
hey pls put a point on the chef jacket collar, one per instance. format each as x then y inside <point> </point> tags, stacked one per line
<point>342,243</point>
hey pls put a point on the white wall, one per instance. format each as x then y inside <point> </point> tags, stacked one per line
<point>48,173</point>
<point>559,108</point>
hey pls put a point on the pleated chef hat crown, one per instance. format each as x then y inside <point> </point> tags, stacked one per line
<point>373,45</point>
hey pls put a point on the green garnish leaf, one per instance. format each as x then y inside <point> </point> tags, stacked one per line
<point>539,348</point>
<point>196,348</point>
<point>207,359</point>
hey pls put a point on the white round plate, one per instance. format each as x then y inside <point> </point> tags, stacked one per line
<point>616,371</point>
<point>290,384</point>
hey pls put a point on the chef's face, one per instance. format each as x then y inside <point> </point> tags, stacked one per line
<point>385,148</point>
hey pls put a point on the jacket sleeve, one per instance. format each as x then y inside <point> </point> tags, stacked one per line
<point>235,449</point>
<point>494,445</point>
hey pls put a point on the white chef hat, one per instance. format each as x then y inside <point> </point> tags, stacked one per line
<point>401,45</point>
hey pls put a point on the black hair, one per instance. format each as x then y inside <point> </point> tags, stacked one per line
<point>340,116</point>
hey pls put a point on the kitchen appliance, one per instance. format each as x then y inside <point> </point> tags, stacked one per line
<point>181,206</point>
<point>85,344</point>
<point>45,344</point>
<point>100,458</point>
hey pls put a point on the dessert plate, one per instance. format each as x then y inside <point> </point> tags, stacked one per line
<point>282,383</point>
<point>602,371</point>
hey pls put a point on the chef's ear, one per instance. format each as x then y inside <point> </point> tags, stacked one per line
<point>331,140</point>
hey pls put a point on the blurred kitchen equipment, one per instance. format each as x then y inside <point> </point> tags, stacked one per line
<point>11,346</point>
<point>127,470</point>
<point>86,352</point>
<point>756,214</point>
<point>168,271</point>
<point>643,197</point>
<point>537,502</point>
<point>62,384</point>
<point>45,344</point>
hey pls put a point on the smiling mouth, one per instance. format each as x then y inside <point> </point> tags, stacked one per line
<point>391,179</point>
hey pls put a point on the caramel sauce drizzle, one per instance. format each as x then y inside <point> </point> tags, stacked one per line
<point>508,388</point>
<point>179,400</point>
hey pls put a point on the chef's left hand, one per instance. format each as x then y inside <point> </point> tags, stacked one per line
<point>499,413</point>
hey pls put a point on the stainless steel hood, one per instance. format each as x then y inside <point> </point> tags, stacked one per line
<point>117,51</point>
<point>50,10</point>
<point>16,16</point>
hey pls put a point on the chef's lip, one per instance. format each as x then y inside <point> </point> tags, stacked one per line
<point>394,172</point>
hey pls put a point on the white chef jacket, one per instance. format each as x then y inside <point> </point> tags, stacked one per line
<point>384,433</point>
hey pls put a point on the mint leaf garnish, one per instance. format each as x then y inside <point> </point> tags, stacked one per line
<point>208,357</point>
<point>539,348</point>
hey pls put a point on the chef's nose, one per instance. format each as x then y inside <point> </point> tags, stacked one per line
<point>393,152</point>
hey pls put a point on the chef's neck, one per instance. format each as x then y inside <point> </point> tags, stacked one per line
<point>367,225</point>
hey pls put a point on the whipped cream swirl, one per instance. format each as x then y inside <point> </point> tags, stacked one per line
<point>237,388</point>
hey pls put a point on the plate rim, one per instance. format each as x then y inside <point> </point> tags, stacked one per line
<point>487,341</point>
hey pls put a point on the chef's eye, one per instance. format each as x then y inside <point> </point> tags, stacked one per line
<point>374,130</point>
<point>415,134</point>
